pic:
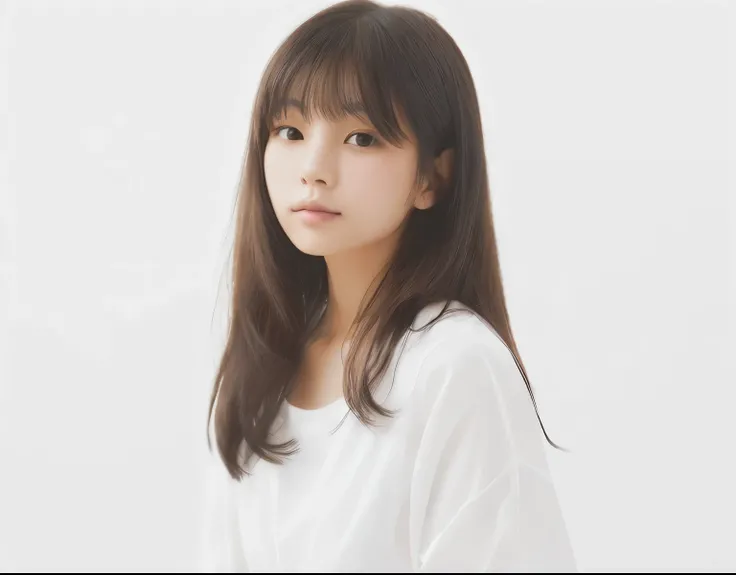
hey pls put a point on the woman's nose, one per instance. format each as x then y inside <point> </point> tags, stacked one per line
<point>319,163</point>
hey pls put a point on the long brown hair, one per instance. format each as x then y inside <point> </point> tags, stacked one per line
<point>391,61</point>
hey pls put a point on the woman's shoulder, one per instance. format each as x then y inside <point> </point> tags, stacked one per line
<point>462,362</point>
<point>457,350</point>
<point>451,328</point>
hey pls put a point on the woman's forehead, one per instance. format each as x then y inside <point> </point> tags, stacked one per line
<point>331,111</point>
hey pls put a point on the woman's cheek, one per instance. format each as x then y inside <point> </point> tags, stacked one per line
<point>276,177</point>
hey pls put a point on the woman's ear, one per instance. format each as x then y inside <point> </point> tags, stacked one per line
<point>425,199</point>
<point>439,181</point>
<point>443,166</point>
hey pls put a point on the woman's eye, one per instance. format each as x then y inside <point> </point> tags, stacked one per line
<point>291,133</point>
<point>363,140</point>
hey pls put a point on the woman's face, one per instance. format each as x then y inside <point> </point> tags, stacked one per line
<point>347,168</point>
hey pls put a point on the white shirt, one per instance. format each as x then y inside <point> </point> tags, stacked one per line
<point>456,481</point>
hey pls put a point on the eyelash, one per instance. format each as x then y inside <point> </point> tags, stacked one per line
<point>376,142</point>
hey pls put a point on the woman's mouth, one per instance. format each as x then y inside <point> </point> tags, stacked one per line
<point>315,216</point>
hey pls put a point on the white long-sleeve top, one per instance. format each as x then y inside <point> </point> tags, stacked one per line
<point>457,481</point>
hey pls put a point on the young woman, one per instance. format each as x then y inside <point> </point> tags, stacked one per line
<point>370,408</point>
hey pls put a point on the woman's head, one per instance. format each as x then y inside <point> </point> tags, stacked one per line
<point>354,112</point>
<point>346,166</point>
<point>371,111</point>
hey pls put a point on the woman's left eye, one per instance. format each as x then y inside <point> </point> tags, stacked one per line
<point>363,140</point>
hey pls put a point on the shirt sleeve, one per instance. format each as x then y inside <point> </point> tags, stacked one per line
<point>482,499</point>
<point>221,550</point>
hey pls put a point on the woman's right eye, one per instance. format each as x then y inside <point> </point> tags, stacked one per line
<point>291,133</point>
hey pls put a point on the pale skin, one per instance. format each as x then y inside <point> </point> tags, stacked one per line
<point>348,168</point>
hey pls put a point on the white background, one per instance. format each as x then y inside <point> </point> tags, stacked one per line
<point>123,127</point>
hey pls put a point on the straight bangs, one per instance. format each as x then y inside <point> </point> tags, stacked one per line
<point>336,75</point>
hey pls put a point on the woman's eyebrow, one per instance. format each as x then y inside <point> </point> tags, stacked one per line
<point>351,108</point>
